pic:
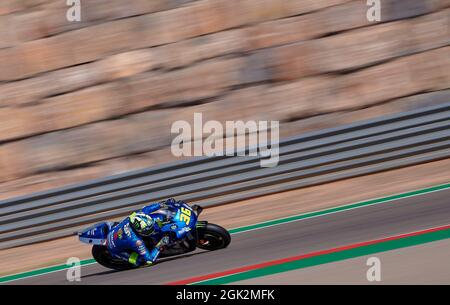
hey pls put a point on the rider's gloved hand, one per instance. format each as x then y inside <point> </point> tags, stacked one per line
<point>165,240</point>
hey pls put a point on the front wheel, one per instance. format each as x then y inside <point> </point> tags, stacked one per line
<point>213,237</point>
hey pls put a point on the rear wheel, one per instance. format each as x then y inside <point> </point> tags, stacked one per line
<point>103,257</point>
<point>213,237</point>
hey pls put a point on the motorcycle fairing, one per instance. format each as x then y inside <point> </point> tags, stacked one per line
<point>96,234</point>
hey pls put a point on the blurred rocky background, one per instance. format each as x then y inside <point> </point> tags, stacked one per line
<point>80,100</point>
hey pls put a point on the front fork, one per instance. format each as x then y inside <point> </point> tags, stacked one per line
<point>189,243</point>
<point>200,231</point>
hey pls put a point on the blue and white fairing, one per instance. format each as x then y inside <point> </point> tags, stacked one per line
<point>184,218</point>
<point>96,234</point>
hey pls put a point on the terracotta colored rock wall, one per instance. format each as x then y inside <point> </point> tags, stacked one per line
<point>80,100</point>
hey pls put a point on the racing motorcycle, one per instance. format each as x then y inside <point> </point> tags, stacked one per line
<point>203,235</point>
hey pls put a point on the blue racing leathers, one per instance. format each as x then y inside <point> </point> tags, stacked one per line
<point>125,243</point>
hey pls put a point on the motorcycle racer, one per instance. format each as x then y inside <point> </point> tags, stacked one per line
<point>153,223</point>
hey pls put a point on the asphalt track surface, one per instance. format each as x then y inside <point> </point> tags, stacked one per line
<point>425,264</point>
<point>277,242</point>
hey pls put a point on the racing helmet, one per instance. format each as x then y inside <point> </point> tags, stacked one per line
<point>142,223</point>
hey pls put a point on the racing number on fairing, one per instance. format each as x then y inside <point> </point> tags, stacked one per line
<point>185,215</point>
